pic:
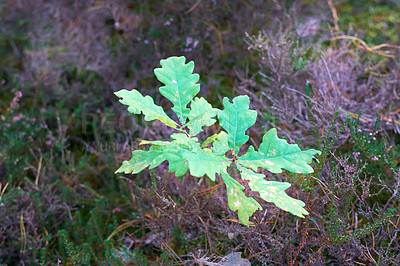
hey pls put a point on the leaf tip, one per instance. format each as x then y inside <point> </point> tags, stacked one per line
<point>119,170</point>
<point>121,91</point>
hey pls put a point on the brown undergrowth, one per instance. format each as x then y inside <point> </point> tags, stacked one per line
<point>65,135</point>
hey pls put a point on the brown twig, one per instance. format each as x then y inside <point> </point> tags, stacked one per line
<point>364,46</point>
<point>219,35</point>
<point>172,251</point>
<point>193,7</point>
<point>334,15</point>
<point>207,234</point>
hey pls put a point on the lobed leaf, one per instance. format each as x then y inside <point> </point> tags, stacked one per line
<point>138,104</point>
<point>173,151</point>
<point>203,162</point>
<point>273,191</point>
<point>177,163</point>
<point>201,114</point>
<point>219,143</point>
<point>276,154</point>
<point>184,153</point>
<point>185,140</point>
<point>180,84</point>
<point>177,138</point>
<point>236,118</point>
<point>238,201</point>
<point>142,159</point>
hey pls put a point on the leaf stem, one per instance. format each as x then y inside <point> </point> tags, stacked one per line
<point>189,199</point>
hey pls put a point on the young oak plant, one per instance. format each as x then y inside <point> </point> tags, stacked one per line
<point>218,152</point>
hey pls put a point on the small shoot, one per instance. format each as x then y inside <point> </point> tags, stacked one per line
<point>185,153</point>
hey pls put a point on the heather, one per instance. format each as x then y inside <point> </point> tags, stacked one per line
<point>324,74</point>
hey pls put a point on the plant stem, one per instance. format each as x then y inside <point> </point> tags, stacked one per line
<point>189,199</point>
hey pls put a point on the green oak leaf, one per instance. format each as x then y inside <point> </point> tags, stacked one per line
<point>184,153</point>
<point>177,138</point>
<point>236,118</point>
<point>276,154</point>
<point>177,163</point>
<point>138,104</point>
<point>203,162</point>
<point>185,140</point>
<point>173,151</point>
<point>181,144</point>
<point>154,142</point>
<point>180,84</point>
<point>201,114</point>
<point>142,159</point>
<point>238,201</point>
<point>219,143</point>
<point>273,191</point>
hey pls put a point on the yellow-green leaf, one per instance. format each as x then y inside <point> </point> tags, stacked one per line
<point>274,191</point>
<point>238,201</point>
<point>138,104</point>
<point>276,154</point>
